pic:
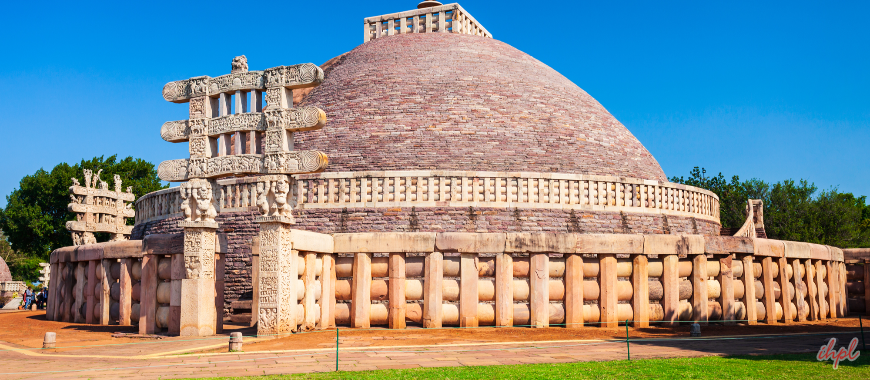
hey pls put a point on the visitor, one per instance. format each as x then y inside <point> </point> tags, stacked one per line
<point>28,298</point>
<point>44,295</point>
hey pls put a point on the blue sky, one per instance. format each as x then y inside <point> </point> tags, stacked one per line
<point>773,90</point>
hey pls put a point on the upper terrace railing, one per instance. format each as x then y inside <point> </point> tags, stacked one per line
<point>459,189</point>
<point>450,18</point>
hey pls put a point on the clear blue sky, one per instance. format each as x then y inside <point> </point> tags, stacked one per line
<point>759,89</point>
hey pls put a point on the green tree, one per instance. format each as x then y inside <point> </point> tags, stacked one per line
<point>794,211</point>
<point>36,213</point>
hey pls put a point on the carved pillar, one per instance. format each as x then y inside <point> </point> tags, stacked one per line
<point>197,288</point>
<point>277,278</point>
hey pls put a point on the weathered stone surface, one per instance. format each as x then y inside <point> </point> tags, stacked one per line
<point>679,245</point>
<point>601,243</point>
<point>723,245</point>
<point>470,242</point>
<point>384,242</point>
<point>769,247</point>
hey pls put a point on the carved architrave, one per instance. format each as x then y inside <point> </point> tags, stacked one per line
<point>290,119</point>
<point>296,76</point>
<point>294,162</point>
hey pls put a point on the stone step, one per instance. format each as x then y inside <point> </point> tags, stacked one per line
<point>241,318</point>
<point>242,304</point>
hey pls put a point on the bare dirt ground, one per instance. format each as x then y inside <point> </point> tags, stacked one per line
<point>27,329</point>
<point>380,337</point>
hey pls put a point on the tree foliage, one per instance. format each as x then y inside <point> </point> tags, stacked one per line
<point>795,211</point>
<point>36,213</point>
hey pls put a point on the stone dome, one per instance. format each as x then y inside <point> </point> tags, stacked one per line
<point>5,274</point>
<point>441,101</point>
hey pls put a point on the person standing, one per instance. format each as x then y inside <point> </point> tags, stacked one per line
<point>28,298</point>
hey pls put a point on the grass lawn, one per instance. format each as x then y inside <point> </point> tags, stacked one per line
<point>791,366</point>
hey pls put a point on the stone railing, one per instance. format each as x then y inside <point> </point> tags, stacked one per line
<point>460,189</point>
<point>462,279</point>
<point>157,205</point>
<point>450,18</point>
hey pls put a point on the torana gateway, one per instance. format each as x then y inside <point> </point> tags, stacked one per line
<point>431,176</point>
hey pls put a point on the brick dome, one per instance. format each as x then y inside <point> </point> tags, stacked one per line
<point>440,101</point>
<point>5,275</point>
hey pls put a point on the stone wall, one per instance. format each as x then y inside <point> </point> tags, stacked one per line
<point>241,228</point>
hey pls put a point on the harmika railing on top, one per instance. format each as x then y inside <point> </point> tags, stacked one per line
<point>450,18</point>
<point>458,189</point>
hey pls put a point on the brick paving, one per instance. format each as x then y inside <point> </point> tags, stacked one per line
<point>132,362</point>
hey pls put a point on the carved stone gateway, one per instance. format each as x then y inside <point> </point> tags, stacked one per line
<point>99,209</point>
<point>231,133</point>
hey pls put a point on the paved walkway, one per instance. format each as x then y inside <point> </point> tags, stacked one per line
<point>19,363</point>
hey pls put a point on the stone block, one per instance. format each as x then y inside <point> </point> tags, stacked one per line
<point>609,243</point>
<point>540,242</point>
<point>723,245</point>
<point>819,252</point>
<point>673,245</point>
<point>463,242</point>
<point>797,250</point>
<point>197,307</point>
<point>385,242</point>
<point>769,247</point>
<point>311,241</point>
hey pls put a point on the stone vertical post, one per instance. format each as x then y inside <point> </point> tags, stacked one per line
<point>148,295</point>
<point>277,278</point>
<point>79,292</point>
<point>51,305</point>
<point>784,294</point>
<point>63,293</point>
<point>309,320</point>
<point>89,291</point>
<point>640,287</point>
<point>198,314</point>
<point>432,301</point>
<point>726,284</point>
<point>749,298</point>
<point>68,283</point>
<point>327,293</point>
<point>219,276</point>
<point>255,278</point>
<point>608,295</point>
<point>539,290</point>
<point>397,290</point>
<point>844,303</point>
<point>769,299</point>
<point>361,291</point>
<point>823,308</point>
<point>176,276</point>
<point>797,278</point>
<point>468,297</point>
<point>125,301</point>
<point>504,295</point>
<point>671,288</point>
<point>832,289</point>
<point>866,287</point>
<point>812,301</point>
<point>700,308</point>
<point>106,291</point>
<point>573,291</point>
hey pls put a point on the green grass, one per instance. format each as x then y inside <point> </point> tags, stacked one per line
<point>790,366</point>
